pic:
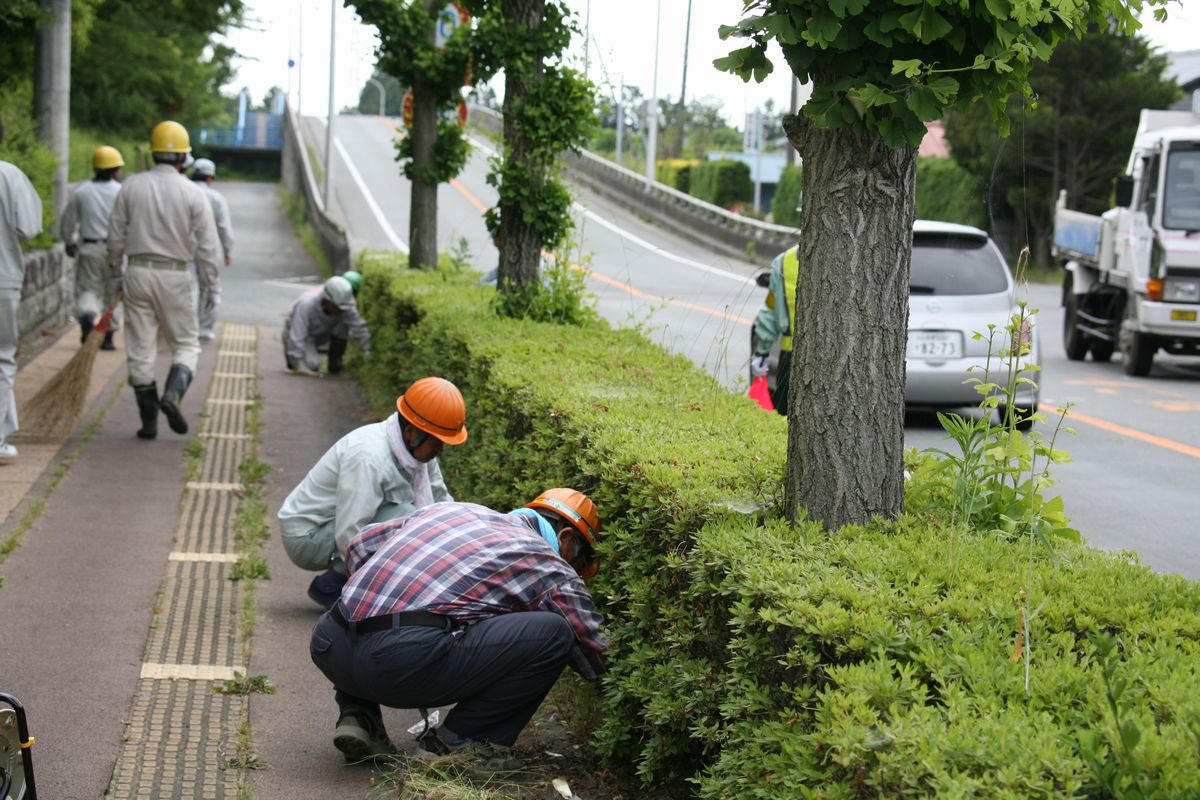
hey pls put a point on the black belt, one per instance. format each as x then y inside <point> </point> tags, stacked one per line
<point>385,622</point>
<point>94,241</point>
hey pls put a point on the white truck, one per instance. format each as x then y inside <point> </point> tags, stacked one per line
<point>1132,276</point>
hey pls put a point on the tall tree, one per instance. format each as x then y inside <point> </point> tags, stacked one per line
<point>434,150</point>
<point>879,71</point>
<point>1074,134</point>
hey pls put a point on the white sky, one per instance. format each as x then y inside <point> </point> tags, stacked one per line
<point>623,34</point>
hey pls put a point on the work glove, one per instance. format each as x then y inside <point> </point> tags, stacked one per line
<point>72,249</point>
<point>212,299</point>
<point>760,365</point>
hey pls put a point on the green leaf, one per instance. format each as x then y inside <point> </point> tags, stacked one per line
<point>910,67</point>
<point>822,27</point>
<point>944,88</point>
<point>1000,9</point>
<point>926,24</point>
<point>924,103</point>
<point>872,95</point>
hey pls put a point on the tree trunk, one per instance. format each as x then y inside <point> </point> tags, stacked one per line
<point>846,416</point>
<point>422,222</point>
<point>520,242</point>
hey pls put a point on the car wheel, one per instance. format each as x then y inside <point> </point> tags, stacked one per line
<point>1137,349</point>
<point>1102,351</point>
<point>1074,341</point>
<point>1022,417</point>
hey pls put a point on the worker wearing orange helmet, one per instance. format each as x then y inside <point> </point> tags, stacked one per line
<point>459,604</point>
<point>374,473</point>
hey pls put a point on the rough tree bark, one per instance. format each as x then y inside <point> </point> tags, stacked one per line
<point>422,224</point>
<point>520,242</point>
<point>846,417</point>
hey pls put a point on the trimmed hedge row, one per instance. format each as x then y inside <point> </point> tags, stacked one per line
<point>675,172</point>
<point>723,183</point>
<point>751,659</point>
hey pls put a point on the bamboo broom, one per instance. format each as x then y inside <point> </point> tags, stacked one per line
<point>54,410</point>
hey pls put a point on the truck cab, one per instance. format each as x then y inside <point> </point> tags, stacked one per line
<point>1132,277</point>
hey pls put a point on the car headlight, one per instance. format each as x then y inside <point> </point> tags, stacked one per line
<point>1182,290</point>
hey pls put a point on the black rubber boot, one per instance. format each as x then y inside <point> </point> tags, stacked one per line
<point>178,381</point>
<point>147,400</point>
<point>337,350</point>
<point>86,323</point>
<point>107,344</point>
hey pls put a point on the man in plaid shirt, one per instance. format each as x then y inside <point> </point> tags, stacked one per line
<point>457,604</point>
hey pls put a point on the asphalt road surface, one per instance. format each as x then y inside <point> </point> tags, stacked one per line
<point>1135,473</point>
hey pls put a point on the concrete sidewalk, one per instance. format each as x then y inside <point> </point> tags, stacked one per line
<point>119,615</point>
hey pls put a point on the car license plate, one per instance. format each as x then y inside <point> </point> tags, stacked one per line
<point>934,344</point>
<point>1183,316</point>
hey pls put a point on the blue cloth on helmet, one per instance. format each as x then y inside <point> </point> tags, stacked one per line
<point>544,528</point>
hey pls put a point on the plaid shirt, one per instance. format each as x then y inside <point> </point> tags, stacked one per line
<point>467,562</point>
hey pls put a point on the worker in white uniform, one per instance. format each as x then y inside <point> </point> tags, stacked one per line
<point>325,317</point>
<point>20,221</point>
<point>155,221</point>
<point>374,473</point>
<point>87,214</point>
<point>204,172</point>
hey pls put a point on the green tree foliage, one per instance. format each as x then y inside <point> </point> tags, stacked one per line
<point>22,147</point>
<point>947,192</point>
<point>149,60</point>
<point>786,207</point>
<point>393,95</point>
<point>1075,132</point>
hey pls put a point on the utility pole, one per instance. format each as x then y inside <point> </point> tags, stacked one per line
<point>652,110</point>
<point>329,119</point>
<point>679,113</point>
<point>52,90</point>
<point>620,116</point>
<point>792,155</point>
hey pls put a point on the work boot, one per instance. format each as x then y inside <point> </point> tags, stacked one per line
<point>482,759</point>
<point>337,351</point>
<point>86,323</point>
<point>107,344</point>
<point>360,735</point>
<point>326,588</point>
<point>178,381</point>
<point>147,400</point>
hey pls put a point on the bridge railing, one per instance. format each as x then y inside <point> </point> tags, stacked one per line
<point>299,177</point>
<point>731,234</point>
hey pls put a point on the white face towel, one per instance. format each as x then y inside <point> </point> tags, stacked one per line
<point>418,471</point>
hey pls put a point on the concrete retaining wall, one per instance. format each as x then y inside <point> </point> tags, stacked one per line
<point>733,235</point>
<point>299,178</point>
<point>47,296</point>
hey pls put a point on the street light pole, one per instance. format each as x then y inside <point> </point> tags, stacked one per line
<point>382,93</point>
<point>329,120</point>
<point>652,112</point>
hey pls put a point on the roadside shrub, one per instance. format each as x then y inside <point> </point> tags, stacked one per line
<point>22,147</point>
<point>723,182</point>
<point>785,209</point>
<point>675,172</point>
<point>754,659</point>
<point>947,192</point>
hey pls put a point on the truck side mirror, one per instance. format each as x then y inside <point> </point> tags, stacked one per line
<point>763,278</point>
<point>1124,191</point>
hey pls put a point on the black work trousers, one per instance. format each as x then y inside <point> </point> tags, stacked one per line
<point>495,672</point>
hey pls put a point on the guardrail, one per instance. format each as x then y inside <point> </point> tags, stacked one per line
<point>734,235</point>
<point>300,178</point>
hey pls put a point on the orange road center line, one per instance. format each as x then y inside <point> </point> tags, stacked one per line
<point>1121,430</point>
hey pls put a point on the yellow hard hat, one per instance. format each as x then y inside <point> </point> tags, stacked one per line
<point>169,137</point>
<point>106,157</point>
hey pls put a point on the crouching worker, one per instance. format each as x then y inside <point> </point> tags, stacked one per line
<point>460,604</point>
<point>325,318</point>
<point>374,473</point>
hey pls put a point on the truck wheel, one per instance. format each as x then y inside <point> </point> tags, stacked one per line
<point>1137,349</point>
<point>1102,351</point>
<point>1074,342</point>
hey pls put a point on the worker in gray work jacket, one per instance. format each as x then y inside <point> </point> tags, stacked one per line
<point>204,172</point>
<point>324,317</point>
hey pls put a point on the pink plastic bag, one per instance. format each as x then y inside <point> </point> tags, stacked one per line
<point>761,393</point>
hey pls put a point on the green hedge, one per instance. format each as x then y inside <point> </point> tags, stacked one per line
<point>22,147</point>
<point>785,208</point>
<point>724,182</point>
<point>750,659</point>
<point>947,192</point>
<point>675,172</point>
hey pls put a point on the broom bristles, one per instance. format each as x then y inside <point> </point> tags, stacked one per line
<point>54,410</point>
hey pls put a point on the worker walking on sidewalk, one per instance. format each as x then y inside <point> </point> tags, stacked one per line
<point>155,221</point>
<point>326,317</point>
<point>460,604</point>
<point>374,473</point>
<point>204,172</point>
<point>89,212</point>
<point>20,221</point>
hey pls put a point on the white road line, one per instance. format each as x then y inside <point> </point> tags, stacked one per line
<point>396,241</point>
<point>599,220</point>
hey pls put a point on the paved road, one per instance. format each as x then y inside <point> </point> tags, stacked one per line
<point>1136,452</point>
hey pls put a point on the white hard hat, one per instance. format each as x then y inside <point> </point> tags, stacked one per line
<point>188,161</point>
<point>204,168</point>
<point>338,291</point>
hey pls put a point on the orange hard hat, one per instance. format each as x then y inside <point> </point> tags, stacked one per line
<point>436,406</point>
<point>575,507</point>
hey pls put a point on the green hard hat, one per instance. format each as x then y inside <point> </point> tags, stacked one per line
<point>355,279</point>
